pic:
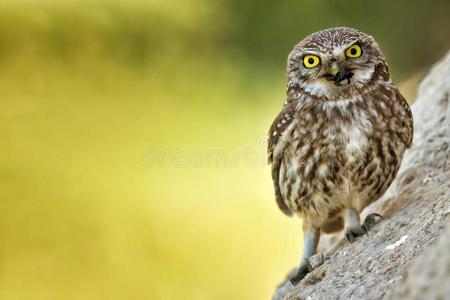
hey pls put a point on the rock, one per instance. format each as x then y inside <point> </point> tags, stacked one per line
<point>400,259</point>
<point>314,277</point>
<point>429,275</point>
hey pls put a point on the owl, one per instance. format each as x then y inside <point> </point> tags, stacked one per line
<point>339,139</point>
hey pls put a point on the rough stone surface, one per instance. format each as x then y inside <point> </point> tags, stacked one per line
<point>429,275</point>
<point>400,257</point>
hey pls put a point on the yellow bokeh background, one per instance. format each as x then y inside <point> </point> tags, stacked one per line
<point>132,162</point>
<point>93,205</point>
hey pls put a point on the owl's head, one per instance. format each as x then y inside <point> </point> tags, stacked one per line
<point>335,63</point>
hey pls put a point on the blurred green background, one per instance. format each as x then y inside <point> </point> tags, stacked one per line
<point>132,162</point>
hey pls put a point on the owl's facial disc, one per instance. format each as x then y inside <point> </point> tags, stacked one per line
<point>341,72</point>
<point>336,63</point>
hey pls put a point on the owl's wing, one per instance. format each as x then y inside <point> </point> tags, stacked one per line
<point>278,136</point>
<point>409,122</point>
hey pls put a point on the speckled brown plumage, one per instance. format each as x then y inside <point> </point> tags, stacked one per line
<point>336,146</point>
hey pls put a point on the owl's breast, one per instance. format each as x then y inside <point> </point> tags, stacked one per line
<point>318,165</point>
<point>321,160</point>
<point>339,158</point>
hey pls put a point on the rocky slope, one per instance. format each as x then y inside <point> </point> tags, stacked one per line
<point>401,257</point>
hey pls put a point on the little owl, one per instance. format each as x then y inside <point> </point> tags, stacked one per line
<point>338,142</point>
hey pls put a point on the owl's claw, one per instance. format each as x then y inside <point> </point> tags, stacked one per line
<point>304,269</point>
<point>353,233</point>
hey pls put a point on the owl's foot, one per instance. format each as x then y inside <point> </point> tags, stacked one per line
<point>352,233</point>
<point>302,271</point>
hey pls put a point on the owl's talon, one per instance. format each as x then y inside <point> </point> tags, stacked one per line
<point>353,233</point>
<point>300,274</point>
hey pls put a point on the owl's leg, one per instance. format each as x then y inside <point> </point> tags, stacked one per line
<point>311,239</point>
<point>353,228</point>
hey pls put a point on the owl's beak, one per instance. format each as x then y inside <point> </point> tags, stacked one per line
<point>334,67</point>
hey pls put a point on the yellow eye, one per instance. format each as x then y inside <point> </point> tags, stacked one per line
<point>310,61</point>
<point>353,51</point>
